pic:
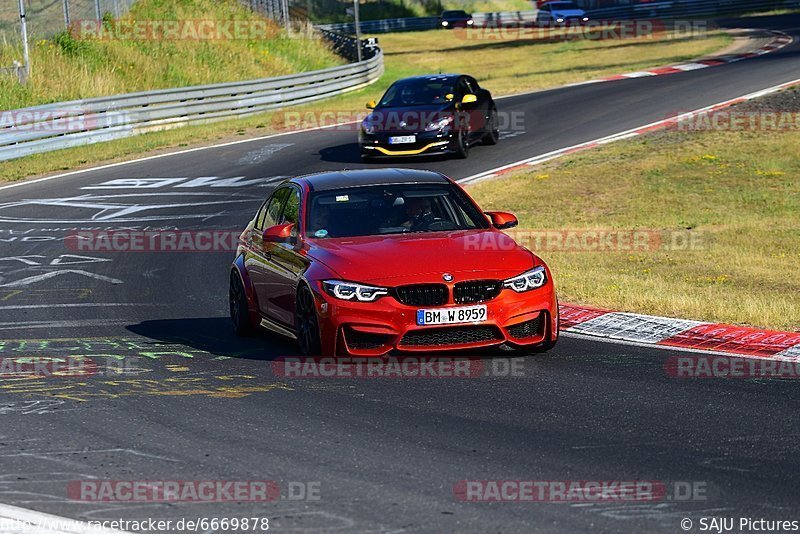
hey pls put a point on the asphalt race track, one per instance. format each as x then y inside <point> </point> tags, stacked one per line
<point>384,455</point>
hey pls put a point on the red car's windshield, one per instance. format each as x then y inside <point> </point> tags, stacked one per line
<point>391,209</point>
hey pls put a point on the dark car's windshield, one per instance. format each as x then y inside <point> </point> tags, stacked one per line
<point>391,209</point>
<point>562,6</point>
<point>455,15</point>
<point>423,92</point>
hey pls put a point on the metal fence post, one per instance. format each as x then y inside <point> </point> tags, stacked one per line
<point>66,13</point>
<point>358,29</point>
<point>286,22</point>
<point>97,12</point>
<point>25,49</point>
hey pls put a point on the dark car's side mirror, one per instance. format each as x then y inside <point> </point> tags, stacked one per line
<point>372,104</point>
<point>502,220</point>
<point>280,233</point>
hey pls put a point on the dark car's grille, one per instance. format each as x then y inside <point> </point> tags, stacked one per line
<point>422,294</point>
<point>364,340</point>
<point>476,291</point>
<point>457,335</point>
<point>530,328</point>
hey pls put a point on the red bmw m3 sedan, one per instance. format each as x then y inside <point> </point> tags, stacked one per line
<point>378,261</point>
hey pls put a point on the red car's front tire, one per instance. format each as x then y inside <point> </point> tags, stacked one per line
<point>240,314</point>
<point>307,323</point>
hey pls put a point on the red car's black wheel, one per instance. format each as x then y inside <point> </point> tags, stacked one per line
<point>240,315</point>
<point>307,323</point>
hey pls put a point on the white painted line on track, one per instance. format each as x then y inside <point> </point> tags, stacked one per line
<point>78,305</point>
<point>63,324</point>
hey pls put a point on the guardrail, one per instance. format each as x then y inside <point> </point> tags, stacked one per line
<point>500,18</point>
<point>688,9</point>
<point>665,9</point>
<point>67,124</point>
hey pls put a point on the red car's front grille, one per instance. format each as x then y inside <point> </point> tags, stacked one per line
<point>455,335</point>
<point>476,291</point>
<point>422,294</point>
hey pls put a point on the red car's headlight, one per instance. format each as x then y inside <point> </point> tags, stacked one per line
<point>532,279</point>
<point>352,291</point>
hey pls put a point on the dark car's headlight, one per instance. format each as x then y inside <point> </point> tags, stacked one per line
<point>526,281</point>
<point>440,124</point>
<point>369,127</point>
<point>352,291</point>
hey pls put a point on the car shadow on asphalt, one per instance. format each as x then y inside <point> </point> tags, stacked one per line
<point>215,336</point>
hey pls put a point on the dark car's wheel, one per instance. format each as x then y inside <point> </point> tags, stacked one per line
<point>307,323</point>
<point>462,145</point>
<point>240,315</point>
<point>492,134</point>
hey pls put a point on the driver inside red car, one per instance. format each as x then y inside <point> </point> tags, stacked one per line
<point>419,214</point>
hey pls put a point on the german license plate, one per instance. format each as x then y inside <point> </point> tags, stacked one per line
<point>402,139</point>
<point>465,314</point>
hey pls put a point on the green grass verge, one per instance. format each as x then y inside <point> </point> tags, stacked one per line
<point>68,67</point>
<point>735,191</point>
<point>505,67</point>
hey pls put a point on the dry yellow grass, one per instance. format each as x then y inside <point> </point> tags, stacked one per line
<point>736,191</point>
<point>514,60</point>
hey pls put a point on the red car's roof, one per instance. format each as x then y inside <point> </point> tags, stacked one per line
<point>324,181</point>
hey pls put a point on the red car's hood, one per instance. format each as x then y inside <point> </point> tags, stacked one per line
<point>415,258</point>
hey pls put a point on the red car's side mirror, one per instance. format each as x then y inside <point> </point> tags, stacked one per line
<point>280,233</point>
<point>502,220</point>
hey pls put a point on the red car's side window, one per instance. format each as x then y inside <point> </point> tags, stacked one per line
<point>271,215</point>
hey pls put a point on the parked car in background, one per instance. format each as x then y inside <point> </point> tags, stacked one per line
<point>455,19</point>
<point>560,13</point>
